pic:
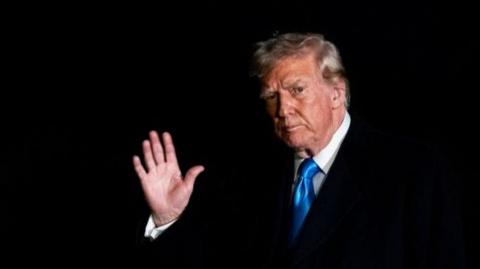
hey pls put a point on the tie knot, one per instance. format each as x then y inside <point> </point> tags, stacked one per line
<point>308,168</point>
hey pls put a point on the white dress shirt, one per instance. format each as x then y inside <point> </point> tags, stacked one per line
<point>324,160</point>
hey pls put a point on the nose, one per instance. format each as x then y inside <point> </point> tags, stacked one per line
<point>284,106</point>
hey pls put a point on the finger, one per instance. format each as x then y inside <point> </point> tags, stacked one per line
<point>192,174</point>
<point>147,154</point>
<point>169,148</point>
<point>157,147</point>
<point>137,164</point>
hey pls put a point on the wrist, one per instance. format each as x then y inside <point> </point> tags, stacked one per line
<point>163,220</point>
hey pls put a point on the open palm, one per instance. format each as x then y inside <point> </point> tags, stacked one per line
<point>166,191</point>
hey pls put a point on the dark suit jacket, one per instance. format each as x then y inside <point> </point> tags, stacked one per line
<point>386,203</point>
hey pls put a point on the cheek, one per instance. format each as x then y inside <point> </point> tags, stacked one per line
<point>315,116</point>
<point>323,121</point>
<point>271,108</point>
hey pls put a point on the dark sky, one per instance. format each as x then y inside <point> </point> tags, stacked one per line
<point>85,83</point>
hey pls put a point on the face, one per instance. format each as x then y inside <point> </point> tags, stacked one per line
<point>304,108</point>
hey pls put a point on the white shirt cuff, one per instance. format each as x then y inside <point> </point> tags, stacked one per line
<point>153,232</point>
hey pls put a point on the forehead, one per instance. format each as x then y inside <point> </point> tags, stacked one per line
<point>291,69</point>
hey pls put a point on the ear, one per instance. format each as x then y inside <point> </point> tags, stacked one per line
<point>338,93</point>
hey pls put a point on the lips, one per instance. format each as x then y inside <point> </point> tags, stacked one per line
<point>291,128</point>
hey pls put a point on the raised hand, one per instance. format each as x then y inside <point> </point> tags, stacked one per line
<point>167,192</point>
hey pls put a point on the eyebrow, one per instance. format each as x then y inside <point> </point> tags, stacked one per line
<point>266,92</point>
<point>287,84</point>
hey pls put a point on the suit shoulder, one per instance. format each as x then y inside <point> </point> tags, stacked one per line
<point>391,156</point>
<point>388,145</point>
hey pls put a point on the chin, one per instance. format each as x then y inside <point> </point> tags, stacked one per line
<point>294,142</point>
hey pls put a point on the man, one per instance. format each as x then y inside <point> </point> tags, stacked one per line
<point>343,195</point>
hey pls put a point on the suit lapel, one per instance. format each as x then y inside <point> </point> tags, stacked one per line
<point>336,199</point>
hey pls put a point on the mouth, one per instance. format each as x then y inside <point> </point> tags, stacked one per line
<point>289,129</point>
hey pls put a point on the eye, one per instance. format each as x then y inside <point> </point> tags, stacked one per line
<point>297,89</point>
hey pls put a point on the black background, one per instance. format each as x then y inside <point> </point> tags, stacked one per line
<point>84,83</point>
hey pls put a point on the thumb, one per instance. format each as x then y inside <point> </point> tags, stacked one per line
<point>192,174</point>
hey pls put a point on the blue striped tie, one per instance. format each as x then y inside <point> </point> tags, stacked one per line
<point>303,196</point>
